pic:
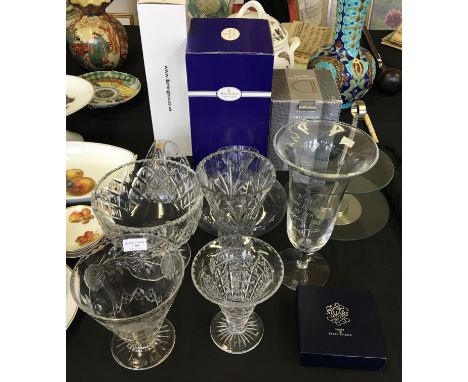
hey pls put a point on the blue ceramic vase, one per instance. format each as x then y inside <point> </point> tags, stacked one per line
<point>352,67</point>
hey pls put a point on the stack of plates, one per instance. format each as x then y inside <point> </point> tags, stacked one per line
<point>83,231</point>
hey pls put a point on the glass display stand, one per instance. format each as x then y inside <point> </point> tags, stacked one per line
<point>364,210</point>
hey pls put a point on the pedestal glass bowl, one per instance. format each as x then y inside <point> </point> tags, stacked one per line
<point>237,273</point>
<point>322,157</point>
<point>130,292</point>
<point>235,182</point>
<point>154,196</point>
<point>269,215</point>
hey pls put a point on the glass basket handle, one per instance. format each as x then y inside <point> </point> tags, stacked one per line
<point>166,149</point>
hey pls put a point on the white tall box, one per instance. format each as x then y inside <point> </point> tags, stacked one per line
<point>163,29</point>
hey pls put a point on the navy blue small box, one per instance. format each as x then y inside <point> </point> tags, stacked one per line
<point>229,75</point>
<point>339,328</point>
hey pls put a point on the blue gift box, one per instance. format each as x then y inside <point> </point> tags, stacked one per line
<point>229,75</point>
<point>339,327</point>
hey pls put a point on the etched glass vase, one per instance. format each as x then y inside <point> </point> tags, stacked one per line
<point>352,66</point>
<point>322,157</point>
<point>128,284</point>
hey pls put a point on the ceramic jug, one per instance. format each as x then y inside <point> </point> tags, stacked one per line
<point>283,48</point>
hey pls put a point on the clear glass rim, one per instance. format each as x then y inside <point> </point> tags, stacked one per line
<point>231,150</point>
<point>321,175</point>
<point>237,304</point>
<point>142,315</point>
<point>198,200</point>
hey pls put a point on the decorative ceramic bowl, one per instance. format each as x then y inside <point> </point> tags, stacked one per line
<point>87,163</point>
<point>112,88</point>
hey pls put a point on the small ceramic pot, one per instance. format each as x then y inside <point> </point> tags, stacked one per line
<point>283,47</point>
<point>97,40</point>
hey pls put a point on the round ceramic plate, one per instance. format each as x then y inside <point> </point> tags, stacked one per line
<point>71,304</point>
<point>83,230</point>
<point>112,88</point>
<point>93,160</point>
<point>79,93</point>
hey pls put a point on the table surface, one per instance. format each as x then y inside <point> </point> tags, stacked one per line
<point>373,263</point>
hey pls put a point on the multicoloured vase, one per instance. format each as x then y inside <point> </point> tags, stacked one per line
<point>352,66</point>
<point>97,40</point>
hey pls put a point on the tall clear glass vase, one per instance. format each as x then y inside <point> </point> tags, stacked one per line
<point>322,157</point>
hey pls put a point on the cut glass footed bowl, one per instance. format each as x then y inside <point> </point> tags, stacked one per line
<point>129,290</point>
<point>268,216</point>
<point>237,273</point>
<point>235,182</point>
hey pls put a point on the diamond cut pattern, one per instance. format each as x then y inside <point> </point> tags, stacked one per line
<point>160,197</point>
<point>235,183</point>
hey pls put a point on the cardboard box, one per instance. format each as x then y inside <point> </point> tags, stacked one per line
<point>229,73</point>
<point>163,29</point>
<point>301,94</point>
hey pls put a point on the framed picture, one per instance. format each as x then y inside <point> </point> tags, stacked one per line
<point>384,14</point>
<point>124,18</point>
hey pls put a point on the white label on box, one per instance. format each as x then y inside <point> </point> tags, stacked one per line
<point>229,93</point>
<point>137,244</point>
<point>230,34</point>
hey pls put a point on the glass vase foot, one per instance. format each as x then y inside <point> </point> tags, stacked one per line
<point>186,253</point>
<point>316,272</point>
<point>135,357</point>
<point>236,342</point>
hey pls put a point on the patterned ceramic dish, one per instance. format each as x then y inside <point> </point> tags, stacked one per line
<point>79,93</point>
<point>112,88</point>
<point>87,163</point>
<point>71,304</point>
<point>83,230</point>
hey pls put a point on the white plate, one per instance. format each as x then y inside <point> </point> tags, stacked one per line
<point>71,304</point>
<point>95,160</point>
<point>81,91</point>
<point>78,228</point>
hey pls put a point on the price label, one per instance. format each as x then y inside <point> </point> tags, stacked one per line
<point>137,244</point>
<point>347,142</point>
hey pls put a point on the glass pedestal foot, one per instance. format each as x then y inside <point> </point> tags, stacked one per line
<point>362,216</point>
<point>317,271</point>
<point>236,342</point>
<point>186,253</point>
<point>135,357</point>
